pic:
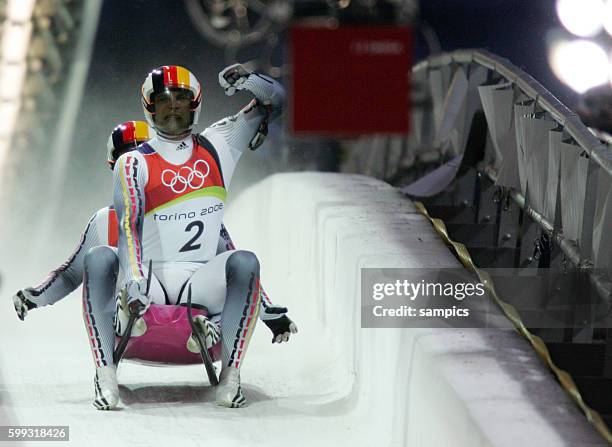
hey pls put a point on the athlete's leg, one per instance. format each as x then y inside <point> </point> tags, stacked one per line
<point>100,269</point>
<point>229,285</point>
<point>226,243</point>
<point>101,265</point>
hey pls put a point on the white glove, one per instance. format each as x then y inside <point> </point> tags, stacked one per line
<point>232,78</point>
<point>23,301</point>
<point>137,299</point>
<point>279,323</point>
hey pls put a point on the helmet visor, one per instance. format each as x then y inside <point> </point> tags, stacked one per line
<point>174,110</point>
<point>180,97</point>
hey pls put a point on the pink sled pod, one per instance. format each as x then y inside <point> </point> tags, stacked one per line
<point>165,339</point>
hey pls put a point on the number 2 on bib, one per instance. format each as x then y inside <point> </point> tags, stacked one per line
<point>191,245</point>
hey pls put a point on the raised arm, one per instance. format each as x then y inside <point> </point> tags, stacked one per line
<point>268,93</point>
<point>249,127</point>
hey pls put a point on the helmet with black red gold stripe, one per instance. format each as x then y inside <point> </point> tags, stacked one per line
<point>168,78</point>
<point>125,137</point>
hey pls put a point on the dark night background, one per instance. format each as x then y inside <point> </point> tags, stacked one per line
<point>515,30</point>
<point>134,37</point>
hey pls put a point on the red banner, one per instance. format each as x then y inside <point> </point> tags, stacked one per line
<point>350,81</point>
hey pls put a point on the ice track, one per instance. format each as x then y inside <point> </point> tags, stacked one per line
<point>296,394</point>
<point>333,383</point>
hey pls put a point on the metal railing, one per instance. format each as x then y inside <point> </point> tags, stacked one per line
<point>597,150</point>
<point>502,72</point>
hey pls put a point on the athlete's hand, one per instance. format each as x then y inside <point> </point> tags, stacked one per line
<point>232,78</point>
<point>137,299</point>
<point>23,301</point>
<point>279,323</point>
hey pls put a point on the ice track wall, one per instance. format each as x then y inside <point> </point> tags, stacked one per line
<point>313,232</point>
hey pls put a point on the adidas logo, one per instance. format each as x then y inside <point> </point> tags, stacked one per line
<point>181,146</point>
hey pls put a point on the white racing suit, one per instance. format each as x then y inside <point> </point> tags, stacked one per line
<point>169,197</point>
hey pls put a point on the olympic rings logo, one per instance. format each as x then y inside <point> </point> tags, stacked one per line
<point>186,177</point>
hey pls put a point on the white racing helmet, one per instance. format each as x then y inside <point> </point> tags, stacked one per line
<point>170,77</point>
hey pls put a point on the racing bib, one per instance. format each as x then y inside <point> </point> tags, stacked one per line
<point>183,206</point>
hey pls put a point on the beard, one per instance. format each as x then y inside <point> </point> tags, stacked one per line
<point>174,125</point>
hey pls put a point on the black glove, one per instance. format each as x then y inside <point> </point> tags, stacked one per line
<point>23,301</point>
<point>279,323</point>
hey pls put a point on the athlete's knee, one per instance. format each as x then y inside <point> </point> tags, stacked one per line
<point>242,261</point>
<point>101,259</point>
